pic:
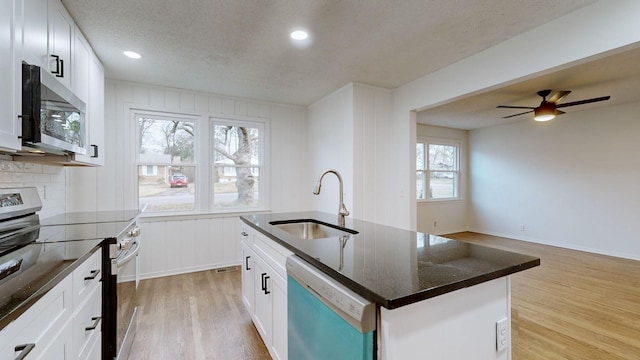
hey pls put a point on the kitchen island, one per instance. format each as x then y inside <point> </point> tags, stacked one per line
<point>436,297</point>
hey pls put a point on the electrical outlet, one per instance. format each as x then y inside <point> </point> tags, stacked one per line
<point>503,334</point>
<point>435,223</point>
<point>522,227</point>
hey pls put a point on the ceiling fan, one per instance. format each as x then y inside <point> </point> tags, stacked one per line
<point>548,108</point>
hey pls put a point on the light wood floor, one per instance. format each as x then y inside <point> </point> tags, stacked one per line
<point>575,305</point>
<point>195,316</point>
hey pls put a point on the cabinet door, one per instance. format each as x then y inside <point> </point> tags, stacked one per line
<point>279,348</point>
<point>35,32</point>
<point>81,56</point>
<point>10,81</point>
<point>61,28</point>
<point>263,286</point>
<point>247,278</point>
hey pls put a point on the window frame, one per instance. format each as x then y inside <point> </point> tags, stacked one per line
<point>457,177</point>
<point>195,164</point>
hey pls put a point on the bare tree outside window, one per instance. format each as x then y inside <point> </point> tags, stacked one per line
<point>236,168</point>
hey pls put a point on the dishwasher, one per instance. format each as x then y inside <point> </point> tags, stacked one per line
<point>326,320</point>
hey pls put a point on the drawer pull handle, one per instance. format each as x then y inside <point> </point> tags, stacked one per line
<point>264,283</point>
<point>246,262</point>
<point>94,274</point>
<point>96,321</point>
<point>25,350</point>
<point>266,288</point>
<point>244,233</point>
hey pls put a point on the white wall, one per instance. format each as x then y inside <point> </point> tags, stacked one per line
<point>330,146</point>
<point>571,182</point>
<point>586,33</point>
<point>348,131</point>
<point>442,217</point>
<point>178,244</point>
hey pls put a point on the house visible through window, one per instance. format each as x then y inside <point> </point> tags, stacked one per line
<point>166,171</point>
<point>437,170</point>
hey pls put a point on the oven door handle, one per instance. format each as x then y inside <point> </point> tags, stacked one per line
<point>133,251</point>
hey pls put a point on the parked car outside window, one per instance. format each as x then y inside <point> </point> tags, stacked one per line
<point>178,180</point>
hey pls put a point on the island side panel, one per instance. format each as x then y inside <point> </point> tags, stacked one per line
<point>457,325</point>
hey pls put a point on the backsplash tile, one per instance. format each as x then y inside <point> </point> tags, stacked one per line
<point>49,180</point>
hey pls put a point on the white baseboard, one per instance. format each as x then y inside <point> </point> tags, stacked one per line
<point>187,270</point>
<point>549,243</point>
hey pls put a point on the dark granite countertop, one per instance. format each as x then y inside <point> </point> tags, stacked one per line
<point>390,266</point>
<point>43,266</point>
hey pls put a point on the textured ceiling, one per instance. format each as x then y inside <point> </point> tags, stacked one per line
<point>241,47</point>
<point>616,75</point>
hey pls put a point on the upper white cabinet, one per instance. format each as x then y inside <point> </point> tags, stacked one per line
<point>61,28</point>
<point>41,32</point>
<point>89,87</point>
<point>35,32</point>
<point>10,96</point>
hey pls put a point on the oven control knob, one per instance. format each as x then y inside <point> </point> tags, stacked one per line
<point>124,244</point>
<point>134,233</point>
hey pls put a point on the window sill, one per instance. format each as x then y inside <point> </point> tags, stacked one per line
<point>439,201</point>
<point>151,217</point>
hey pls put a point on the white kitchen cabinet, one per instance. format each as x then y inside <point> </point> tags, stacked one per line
<point>46,326</point>
<point>35,32</point>
<point>10,81</point>
<point>93,84</point>
<point>81,58</point>
<point>247,277</point>
<point>264,288</point>
<point>60,325</point>
<point>61,28</point>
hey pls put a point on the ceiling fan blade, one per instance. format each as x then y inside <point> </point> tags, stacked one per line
<point>510,116</point>
<point>559,95</point>
<point>515,107</point>
<point>586,101</point>
<point>559,112</point>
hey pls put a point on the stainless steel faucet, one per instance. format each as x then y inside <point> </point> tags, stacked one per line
<point>342,210</point>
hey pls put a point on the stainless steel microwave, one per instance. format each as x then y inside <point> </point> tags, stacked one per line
<point>53,118</point>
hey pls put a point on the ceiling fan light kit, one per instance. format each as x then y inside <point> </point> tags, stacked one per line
<point>547,110</point>
<point>544,112</point>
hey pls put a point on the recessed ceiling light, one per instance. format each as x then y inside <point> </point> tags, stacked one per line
<point>132,54</point>
<point>299,35</point>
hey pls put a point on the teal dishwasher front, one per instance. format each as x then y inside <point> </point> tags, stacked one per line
<point>325,319</point>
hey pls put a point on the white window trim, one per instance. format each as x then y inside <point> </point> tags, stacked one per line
<point>440,141</point>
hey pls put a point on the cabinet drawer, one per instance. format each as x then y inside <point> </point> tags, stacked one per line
<point>86,277</point>
<point>40,324</point>
<point>87,316</point>
<point>274,254</point>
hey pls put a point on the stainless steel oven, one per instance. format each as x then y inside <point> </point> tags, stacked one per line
<point>123,278</point>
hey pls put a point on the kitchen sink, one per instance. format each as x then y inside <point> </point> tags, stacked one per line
<point>309,229</point>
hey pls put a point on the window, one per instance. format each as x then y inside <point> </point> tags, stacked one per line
<point>437,170</point>
<point>166,163</point>
<point>237,164</point>
<point>187,164</point>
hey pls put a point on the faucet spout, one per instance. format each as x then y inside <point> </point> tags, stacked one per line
<point>342,209</point>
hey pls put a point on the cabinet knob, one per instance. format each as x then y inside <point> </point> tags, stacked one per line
<point>244,233</point>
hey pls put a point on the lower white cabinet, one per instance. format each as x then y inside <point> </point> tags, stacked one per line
<point>264,289</point>
<point>64,324</point>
